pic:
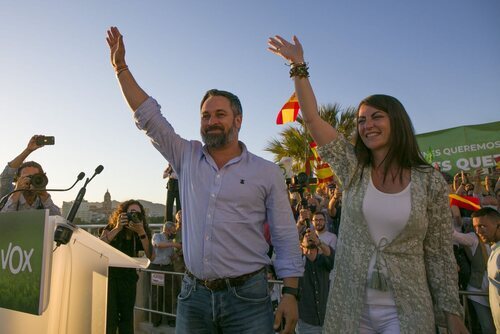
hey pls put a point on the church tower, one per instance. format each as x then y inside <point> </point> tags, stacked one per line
<point>107,202</point>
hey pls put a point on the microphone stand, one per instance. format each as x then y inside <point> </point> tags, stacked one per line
<point>4,199</point>
<point>63,233</point>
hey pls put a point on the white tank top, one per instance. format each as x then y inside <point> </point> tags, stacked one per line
<point>386,216</point>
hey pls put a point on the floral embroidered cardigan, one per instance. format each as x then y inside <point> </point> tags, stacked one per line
<point>420,263</point>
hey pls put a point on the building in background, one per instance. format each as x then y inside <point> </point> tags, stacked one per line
<point>98,212</point>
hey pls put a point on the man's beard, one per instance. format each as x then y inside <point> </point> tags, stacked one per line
<point>217,140</point>
<point>320,228</point>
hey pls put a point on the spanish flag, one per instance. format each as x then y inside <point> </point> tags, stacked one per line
<point>289,111</point>
<point>324,173</point>
<point>465,202</point>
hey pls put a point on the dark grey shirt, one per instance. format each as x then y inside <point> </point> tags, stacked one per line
<point>314,287</point>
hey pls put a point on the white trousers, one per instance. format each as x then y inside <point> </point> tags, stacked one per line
<point>379,319</point>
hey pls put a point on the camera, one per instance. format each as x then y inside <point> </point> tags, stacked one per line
<point>302,235</point>
<point>134,217</point>
<point>38,181</point>
<point>45,140</point>
<point>297,183</point>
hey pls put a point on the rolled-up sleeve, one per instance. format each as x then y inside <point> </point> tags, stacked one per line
<point>148,118</point>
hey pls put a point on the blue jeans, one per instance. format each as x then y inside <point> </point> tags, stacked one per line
<point>244,309</point>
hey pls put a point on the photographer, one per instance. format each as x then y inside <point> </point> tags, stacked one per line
<point>9,173</point>
<point>31,179</point>
<point>318,262</point>
<point>127,231</point>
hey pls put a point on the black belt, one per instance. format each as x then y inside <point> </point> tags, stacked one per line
<point>223,283</point>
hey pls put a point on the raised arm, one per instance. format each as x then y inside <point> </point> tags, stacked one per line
<point>8,174</point>
<point>32,146</point>
<point>131,90</point>
<point>321,131</point>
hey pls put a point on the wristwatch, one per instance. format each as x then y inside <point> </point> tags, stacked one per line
<point>291,291</point>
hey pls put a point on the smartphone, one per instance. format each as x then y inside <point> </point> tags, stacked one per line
<point>45,140</point>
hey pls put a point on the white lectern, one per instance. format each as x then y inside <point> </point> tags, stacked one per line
<point>75,290</point>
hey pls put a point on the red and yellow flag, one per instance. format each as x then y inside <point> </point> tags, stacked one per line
<point>465,202</point>
<point>324,173</point>
<point>289,111</point>
<point>309,167</point>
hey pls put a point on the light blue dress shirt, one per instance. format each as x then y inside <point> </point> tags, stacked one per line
<point>162,255</point>
<point>224,210</point>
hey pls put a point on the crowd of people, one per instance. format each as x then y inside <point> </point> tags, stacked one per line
<point>372,251</point>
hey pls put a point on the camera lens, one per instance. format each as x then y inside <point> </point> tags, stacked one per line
<point>134,217</point>
<point>38,181</point>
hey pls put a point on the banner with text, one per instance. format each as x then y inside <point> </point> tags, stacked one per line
<point>25,250</point>
<point>462,148</point>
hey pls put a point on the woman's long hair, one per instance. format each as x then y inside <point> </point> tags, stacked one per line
<point>403,147</point>
<point>123,207</point>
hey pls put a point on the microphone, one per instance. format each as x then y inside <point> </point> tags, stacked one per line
<point>79,178</point>
<point>5,198</point>
<point>62,234</point>
<point>81,194</point>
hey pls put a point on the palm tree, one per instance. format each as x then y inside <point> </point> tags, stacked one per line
<point>294,140</point>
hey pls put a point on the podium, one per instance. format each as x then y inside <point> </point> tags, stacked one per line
<point>73,284</point>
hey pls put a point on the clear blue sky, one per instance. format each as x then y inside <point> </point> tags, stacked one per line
<point>440,58</point>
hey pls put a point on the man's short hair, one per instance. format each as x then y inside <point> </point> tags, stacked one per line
<point>29,164</point>
<point>486,212</point>
<point>233,100</point>
<point>321,213</point>
<point>168,224</point>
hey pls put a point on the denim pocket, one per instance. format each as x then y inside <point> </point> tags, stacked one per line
<point>186,288</point>
<point>254,290</point>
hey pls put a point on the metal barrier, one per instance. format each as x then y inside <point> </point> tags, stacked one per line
<point>148,290</point>
<point>275,287</point>
<point>152,287</point>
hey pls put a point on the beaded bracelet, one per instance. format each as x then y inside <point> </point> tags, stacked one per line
<point>299,70</point>
<point>119,70</point>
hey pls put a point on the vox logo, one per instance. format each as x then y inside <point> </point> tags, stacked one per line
<point>16,259</point>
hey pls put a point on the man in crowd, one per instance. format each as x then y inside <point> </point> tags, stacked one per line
<point>162,284</point>
<point>477,254</point>
<point>335,208</point>
<point>486,222</point>
<point>227,194</point>
<point>319,222</point>
<point>32,196</point>
<point>172,193</point>
<point>10,170</point>
<point>318,261</point>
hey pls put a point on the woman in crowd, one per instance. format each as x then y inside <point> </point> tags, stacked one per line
<point>127,231</point>
<point>394,262</point>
